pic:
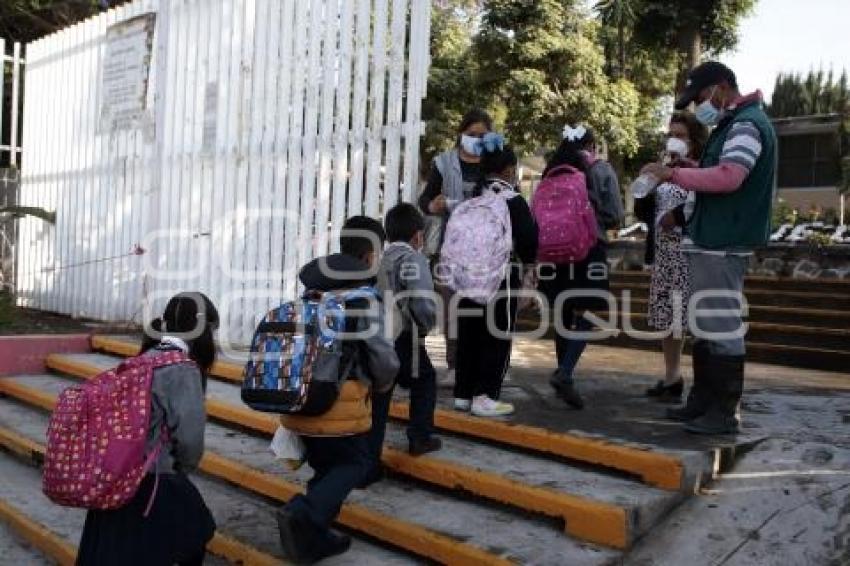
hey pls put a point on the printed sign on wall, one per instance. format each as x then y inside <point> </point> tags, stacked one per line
<point>125,73</point>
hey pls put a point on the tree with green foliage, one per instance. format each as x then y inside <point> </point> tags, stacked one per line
<point>690,28</point>
<point>620,17</point>
<point>542,61</point>
<point>451,82</point>
<point>816,93</point>
<point>653,44</point>
<point>26,20</point>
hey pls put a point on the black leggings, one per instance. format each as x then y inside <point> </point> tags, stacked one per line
<point>483,359</point>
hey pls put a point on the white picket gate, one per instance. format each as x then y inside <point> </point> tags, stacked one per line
<point>266,124</point>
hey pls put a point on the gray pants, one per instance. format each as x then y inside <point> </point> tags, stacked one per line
<point>717,284</point>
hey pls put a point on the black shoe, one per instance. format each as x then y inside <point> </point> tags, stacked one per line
<point>556,382</point>
<point>420,447</point>
<point>571,396</point>
<point>714,422</point>
<point>685,413</point>
<point>298,537</point>
<point>666,393</point>
<point>332,544</point>
<point>375,475</point>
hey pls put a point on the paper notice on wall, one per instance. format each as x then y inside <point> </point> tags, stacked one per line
<point>210,118</point>
<point>125,73</point>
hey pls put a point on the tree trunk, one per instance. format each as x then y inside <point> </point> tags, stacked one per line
<point>690,50</point>
<point>621,42</point>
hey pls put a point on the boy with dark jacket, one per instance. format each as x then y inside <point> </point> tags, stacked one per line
<point>404,278</point>
<point>337,442</point>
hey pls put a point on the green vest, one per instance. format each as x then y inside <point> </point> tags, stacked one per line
<point>739,220</point>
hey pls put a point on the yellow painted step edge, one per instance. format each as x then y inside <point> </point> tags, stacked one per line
<point>65,553</point>
<point>659,470</point>
<point>408,536</point>
<point>584,518</point>
<point>42,538</point>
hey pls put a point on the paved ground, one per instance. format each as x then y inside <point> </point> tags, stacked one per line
<point>787,501</point>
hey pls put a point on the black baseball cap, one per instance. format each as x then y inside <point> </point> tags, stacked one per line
<point>702,76</point>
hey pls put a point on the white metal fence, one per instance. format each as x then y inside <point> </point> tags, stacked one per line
<point>11,72</point>
<point>266,123</point>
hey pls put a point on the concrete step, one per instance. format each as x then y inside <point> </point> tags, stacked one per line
<point>501,535</point>
<point>783,344</point>
<point>247,531</point>
<point>16,548</point>
<point>838,286</point>
<point>811,318</point>
<point>616,523</point>
<point>669,471</point>
<point>780,334</point>
<point>759,296</point>
<point>777,354</point>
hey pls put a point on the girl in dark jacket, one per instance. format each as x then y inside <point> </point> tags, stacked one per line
<point>178,525</point>
<point>482,357</point>
<point>590,274</point>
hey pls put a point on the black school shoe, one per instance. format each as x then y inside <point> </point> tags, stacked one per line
<point>667,393</point>
<point>304,543</point>
<point>332,544</point>
<point>298,537</point>
<point>420,447</point>
<point>566,390</point>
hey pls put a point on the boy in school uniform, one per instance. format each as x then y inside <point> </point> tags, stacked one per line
<point>405,274</point>
<point>337,442</point>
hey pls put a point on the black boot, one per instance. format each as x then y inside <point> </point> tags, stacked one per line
<point>298,536</point>
<point>700,393</point>
<point>722,415</point>
<point>332,544</point>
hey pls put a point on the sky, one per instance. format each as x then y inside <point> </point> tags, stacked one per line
<point>790,35</point>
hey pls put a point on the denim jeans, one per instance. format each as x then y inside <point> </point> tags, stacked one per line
<point>340,464</point>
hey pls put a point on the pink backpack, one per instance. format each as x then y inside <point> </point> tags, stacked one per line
<point>96,438</point>
<point>565,218</point>
<point>477,247</point>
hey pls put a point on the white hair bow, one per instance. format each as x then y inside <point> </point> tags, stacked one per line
<point>574,134</point>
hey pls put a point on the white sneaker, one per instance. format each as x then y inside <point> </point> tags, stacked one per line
<point>462,404</point>
<point>483,406</point>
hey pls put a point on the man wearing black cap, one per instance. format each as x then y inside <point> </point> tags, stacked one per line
<point>734,189</point>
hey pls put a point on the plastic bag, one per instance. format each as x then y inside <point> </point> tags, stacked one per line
<point>287,446</point>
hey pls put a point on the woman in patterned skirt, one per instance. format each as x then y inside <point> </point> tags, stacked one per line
<point>665,211</point>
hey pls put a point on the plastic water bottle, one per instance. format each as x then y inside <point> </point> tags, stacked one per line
<point>644,185</point>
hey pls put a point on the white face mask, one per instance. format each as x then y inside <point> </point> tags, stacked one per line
<point>471,145</point>
<point>677,147</point>
<point>707,113</point>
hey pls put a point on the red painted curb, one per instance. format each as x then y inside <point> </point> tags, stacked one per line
<point>25,354</point>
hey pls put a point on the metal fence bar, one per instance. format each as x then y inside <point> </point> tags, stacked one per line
<point>16,94</point>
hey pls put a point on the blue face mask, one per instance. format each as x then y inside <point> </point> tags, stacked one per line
<point>471,145</point>
<point>706,113</point>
